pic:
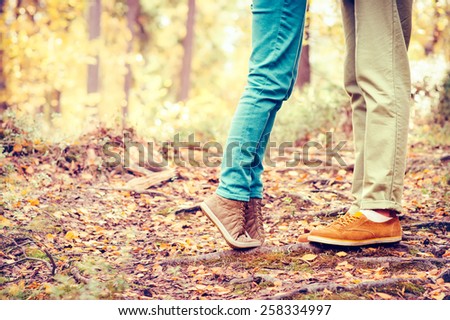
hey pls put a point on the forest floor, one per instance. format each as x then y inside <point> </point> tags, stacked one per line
<point>71,228</point>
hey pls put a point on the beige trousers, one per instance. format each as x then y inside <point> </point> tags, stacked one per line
<point>377,79</point>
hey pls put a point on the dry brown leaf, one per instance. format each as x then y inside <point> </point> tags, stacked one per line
<point>384,296</point>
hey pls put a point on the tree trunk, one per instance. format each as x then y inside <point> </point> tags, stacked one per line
<point>132,15</point>
<point>304,66</point>
<point>94,33</point>
<point>188,44</point>
<point>429,47</point>
<point>3,105</point>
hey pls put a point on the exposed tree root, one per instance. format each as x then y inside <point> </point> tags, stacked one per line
<point>322,213</point>
<point>307,169</point>
<point>400,260</point>
<point>237,253</point>
<point>334,287</point>
<point>427,224</point>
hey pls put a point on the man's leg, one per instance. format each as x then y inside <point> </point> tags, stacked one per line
<point>357,101</point>
<point>381,38</point>
<point>382,70</point>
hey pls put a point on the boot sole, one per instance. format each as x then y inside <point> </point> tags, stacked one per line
<point>226,235</point>
<point>340,242</point>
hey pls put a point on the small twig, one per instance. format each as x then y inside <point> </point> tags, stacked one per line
<point>146,191</point>
<point>51,265</point>
<point>324,181</point>
<point>52,261</point>
<point>191,209</point>
<point>302,197</point>
<point>340,194</point>
<point>78,277</point>
<point>25,259</point>
<point>445,275</point>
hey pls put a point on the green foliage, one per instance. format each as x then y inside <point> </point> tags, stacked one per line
<point>103,282</point>
<point>314,109</point>
<point>443,107</point>
<point>46,51</point>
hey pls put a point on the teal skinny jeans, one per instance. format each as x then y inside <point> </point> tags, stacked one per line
<point>277,33</point>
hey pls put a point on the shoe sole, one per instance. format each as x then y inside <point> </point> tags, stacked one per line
<point>339,242</point>
<point>226,235</point>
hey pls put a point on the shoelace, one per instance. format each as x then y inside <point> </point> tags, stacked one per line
<point>345,220</point>
<point>259,221</point>
<point>240,219</point>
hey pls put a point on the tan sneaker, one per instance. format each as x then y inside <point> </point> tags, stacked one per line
<point>254,220</point>
<point>357,230</point>
<point>229,217</point>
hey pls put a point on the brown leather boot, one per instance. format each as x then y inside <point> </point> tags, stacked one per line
<point>229,217</point>
<point>254,220</point>
<point>357,230</point>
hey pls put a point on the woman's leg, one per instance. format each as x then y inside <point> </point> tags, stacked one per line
<point>276,38</point>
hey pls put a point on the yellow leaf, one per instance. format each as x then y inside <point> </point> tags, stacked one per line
<point>341,254</point>
<point>439,296</point>
<point>141,268</point>
<point>309,257</point>
<point>34,202</point>
<point>4,222</point>
<point>278,283</point>
<point>70,235</point>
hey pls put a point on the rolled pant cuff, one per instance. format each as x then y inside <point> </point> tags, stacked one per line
<point>230,196</point>
<point>382,204</point>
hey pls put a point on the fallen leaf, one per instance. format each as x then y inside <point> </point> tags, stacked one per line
<point>384,296</point>
<point>17,148</point>
<point>278,283</point>
<point>309,257</point>
<point>141,268</point>
<point>221,290</point>
<point>4,222</point>
<point>70,235</point>
<point>341,254</point>
<point>33,202</point>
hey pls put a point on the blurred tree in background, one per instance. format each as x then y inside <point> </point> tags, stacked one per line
<point>168,66</point>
